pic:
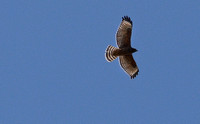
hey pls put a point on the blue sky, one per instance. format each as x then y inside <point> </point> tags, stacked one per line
<point>53,70</point>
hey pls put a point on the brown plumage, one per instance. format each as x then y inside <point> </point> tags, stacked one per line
<point>124,52</point>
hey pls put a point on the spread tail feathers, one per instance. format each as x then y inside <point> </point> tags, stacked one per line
<point>109,53</point>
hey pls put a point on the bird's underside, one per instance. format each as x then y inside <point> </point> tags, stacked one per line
<point>124,52</point>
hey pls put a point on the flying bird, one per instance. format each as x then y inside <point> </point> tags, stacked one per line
<point>124,52</point>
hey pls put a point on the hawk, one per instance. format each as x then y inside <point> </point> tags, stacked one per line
<point>124,52</point>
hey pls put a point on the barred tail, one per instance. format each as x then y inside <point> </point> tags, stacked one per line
<point>109,53</point>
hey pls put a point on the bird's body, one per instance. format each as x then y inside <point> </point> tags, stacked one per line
<point>124,52</point>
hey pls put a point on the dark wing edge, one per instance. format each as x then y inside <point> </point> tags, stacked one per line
<point>129,65</point>
<point>134,75</point>
<point>128,19</point>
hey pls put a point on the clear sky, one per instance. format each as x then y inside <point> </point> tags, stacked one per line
<point>53,69</point>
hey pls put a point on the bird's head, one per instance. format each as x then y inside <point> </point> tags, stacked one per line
<point>134,50</point>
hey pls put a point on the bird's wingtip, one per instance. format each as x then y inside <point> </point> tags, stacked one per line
<point>134,75</point>
<point>127,18</point>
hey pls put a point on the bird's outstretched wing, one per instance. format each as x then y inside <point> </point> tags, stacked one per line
<point>123,35</point>
<point>129,65</point>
